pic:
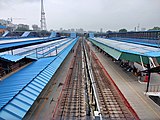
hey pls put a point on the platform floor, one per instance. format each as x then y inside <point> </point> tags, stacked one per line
<point>133,91</point>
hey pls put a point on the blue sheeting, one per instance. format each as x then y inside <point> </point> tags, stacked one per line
<point>8,45</point>
<point>12,58</point>
<point>2,27</point>
<point>19,91</point>
<point>147,42</point>
<point>131,48</point>
<point>16,43</point>
<point>34,56</point>
<point>25,34</point>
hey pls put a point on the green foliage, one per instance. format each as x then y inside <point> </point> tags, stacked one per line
<point>109,31</point>
<point>44,31</point>
<point>123,30</point>
<point>21,29</point>
<point>155,28</point>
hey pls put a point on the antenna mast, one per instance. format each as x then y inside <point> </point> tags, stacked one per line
<point>43,19</point>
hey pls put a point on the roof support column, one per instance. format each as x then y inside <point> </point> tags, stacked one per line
<point>142,62</point>
<point>12,52</point>
<point>56,50</point>
<point>149,76</point>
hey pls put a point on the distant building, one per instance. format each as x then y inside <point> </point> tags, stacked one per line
<point>35,27</point>
<point>91,31</point>
<point>23,27</point>
<point>80,30</point>
<point>8,24</point>
<point>72,30</point>
<point>101,30</point>
<point>61,29</point>
<point>4,22</point>
<point>69,30</point>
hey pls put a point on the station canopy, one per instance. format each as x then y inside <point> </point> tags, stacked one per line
<point>127,51</point>
<point>12,58</point>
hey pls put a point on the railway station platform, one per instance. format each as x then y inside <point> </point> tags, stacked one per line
<point>132,90</point>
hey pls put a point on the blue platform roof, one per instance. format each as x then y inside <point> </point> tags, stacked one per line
<point>126,50</point>
<point>131,47</point>
<point>19,91</point>
<point>8,45</point>
<point>12,58</point>
<point>18,43</point>
<point>146,42</point>
<point>2,27</point>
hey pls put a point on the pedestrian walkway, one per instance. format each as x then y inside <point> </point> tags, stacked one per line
<point>133,91</point>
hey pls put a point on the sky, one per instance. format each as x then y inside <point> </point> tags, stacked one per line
<point>87,14</point>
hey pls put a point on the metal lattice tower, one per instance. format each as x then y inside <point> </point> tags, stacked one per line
<point>43,19</point>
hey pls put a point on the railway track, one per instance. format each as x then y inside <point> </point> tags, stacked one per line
<point>77,103</point>
<point>72,103</point>
<point>112,103</point>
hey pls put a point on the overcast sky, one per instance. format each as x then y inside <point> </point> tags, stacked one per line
<point>86,14</point>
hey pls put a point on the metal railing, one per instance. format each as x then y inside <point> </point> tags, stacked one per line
<point>154,88</point>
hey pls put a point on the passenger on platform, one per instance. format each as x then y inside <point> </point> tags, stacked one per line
<point>146,78</point>
<point>121,63</point>
<point>135,71</point>
<point>129,69</point>
<point>139,74</point>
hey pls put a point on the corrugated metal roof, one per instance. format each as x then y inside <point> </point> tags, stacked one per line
<point>13,40</point>
<point>7,45</point>
<point>146,42</point>
<point>127,51</point>
<point>130,47</point>
<point>5,33</point>
<point>2,27</point>
<point>112,52</point>
<point>19,91</point>
<point>12,58</point>
<point>36,51</point>
<point>17,43</point>
<point>42,53</point>
<point>53,34</point>
<point>25,34</point>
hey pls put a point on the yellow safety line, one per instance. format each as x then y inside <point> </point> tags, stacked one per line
<point>135,91</point>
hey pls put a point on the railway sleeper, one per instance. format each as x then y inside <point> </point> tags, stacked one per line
<point>72,107</point>
<point>71,104</point>
<point>67,106</point>
<point>72,101</point>
<point>72,112</point>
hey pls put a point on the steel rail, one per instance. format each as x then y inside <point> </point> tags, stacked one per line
<point>92,81</point>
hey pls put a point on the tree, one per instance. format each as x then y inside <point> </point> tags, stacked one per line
<point>155,28</point>
<point>109,31</point>
<point>21,29</point>
<point>123,30</point>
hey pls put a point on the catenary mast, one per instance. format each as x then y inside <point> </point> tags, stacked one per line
<point>43,19</point>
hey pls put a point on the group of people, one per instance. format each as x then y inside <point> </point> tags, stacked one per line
<point>129,66</point>
<point>143,77</point>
